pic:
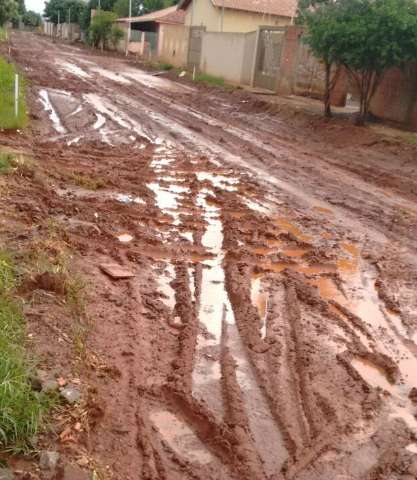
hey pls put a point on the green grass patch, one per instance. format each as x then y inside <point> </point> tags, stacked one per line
<point>165,66</point>
<point>21,408</point>
<point>411,138</point>
<point>3,34</point>
<point>6,163</point>
<point>15,162</point>
<point>209,79</point>
<point>8,119</point>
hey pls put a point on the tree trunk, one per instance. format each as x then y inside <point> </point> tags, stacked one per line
<point>327,92</point>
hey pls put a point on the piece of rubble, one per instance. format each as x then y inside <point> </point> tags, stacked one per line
<point>48,460</point>
<point>116,271</point>
<point>71,394</point>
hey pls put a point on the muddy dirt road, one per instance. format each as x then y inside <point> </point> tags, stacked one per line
<point>270,329</point>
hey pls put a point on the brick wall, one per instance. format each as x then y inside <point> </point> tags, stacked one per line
<point>302,74</point>
<point>396,97</point>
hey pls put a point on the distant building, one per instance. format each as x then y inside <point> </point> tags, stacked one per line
<point>238,15</point>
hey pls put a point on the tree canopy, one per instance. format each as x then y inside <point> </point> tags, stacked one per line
<point>366,37</point>
<point>65,8</point>
<point>9,10</point>
<point>32,19</point>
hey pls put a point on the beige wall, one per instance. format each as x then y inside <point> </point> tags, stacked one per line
<point>228,64</point>
<point>203,13</point>
<point>173,44</point>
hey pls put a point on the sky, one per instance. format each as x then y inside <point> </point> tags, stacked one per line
<point>36,5</point>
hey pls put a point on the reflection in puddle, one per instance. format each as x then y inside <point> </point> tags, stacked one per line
<point>180,437</point>
<point>283,223</point>
<point>214,308</point>
<point>264,430</point>
<point>125,198</point>
<point>125,238</point>
<point>412,447</point>
<point>373,374</point>
<point>259,299</point>
<point>74,69</point>
<point>167,199</point>
<point>48,107</point>
<point>101,120</point>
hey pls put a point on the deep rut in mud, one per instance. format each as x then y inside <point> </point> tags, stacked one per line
<point>270,331</point>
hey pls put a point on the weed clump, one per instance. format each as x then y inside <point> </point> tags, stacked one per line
<point>21,408</point>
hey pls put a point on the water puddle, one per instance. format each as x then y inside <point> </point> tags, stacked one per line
<point>284,224</point>
<point>74,140</point>
<point>259,299</point>
<point>373,374</point>
<point>126,198</point>
<point>48,107</point>
<point>108,109</point>
<point>125,238</point>
<point>400,405</point>
<point>214,309</point>
<point>167,199</point>
<point>412,447</point>
<point>265,432</point>
<point>179,436</point>
<point>111,75</point>
<point>220,181</point>
<point>155,82</point>
<point>101,120</point>
<point>73,69</point>
<point>256,206</point>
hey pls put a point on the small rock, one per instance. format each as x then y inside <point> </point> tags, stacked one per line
<point>6,474</point>
<point>71,394</point>
<point>48,460</point>
<point>50,385</point>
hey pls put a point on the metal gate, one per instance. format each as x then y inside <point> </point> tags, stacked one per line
<point>194,49</point>
<point>268,57</point>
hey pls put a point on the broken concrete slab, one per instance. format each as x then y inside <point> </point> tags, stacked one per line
<point>116,271</point>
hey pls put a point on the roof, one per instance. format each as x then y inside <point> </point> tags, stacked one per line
<point>280,8</point>
<point>166,15</point>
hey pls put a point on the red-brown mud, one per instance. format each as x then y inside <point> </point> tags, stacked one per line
<point>269,331</point>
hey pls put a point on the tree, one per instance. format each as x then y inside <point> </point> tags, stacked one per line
<point>367,37</point>
<point>85,17</point>
<point>65,8</point>
<point>152,5</point>
<point>116,35</point>
<point>101,28</point>
<point>32,19</point>
<point>8,11</point>
<point>121,8</point>
<point>321,20</point>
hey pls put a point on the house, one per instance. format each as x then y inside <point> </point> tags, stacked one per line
<point>147,30</point>
<point>238,15</point>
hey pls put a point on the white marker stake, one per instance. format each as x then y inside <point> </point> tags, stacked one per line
<point>16,95</point>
